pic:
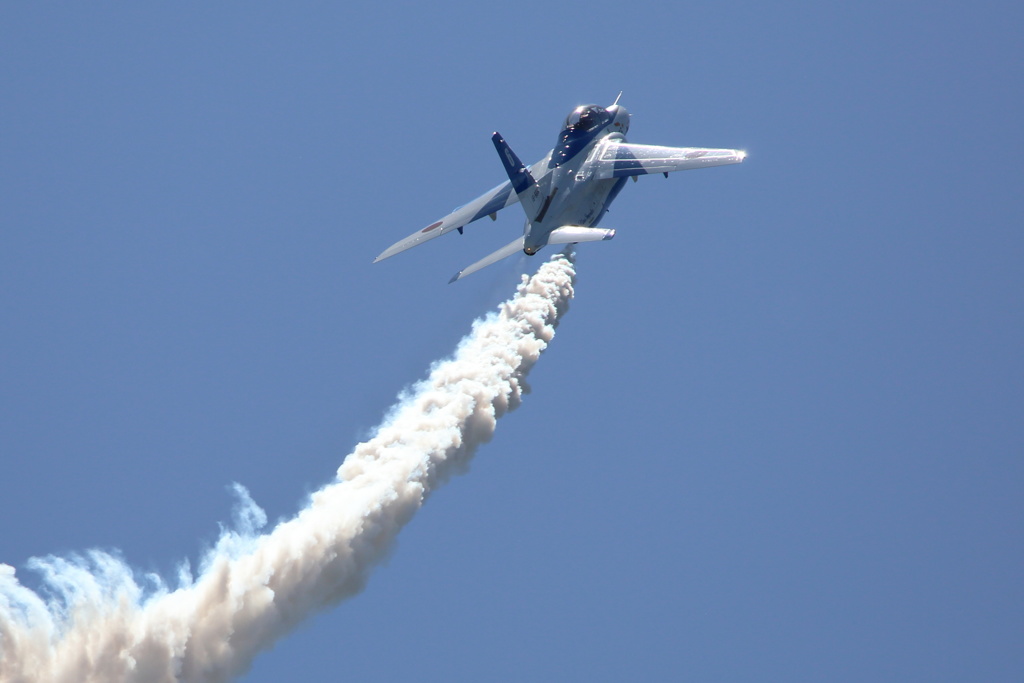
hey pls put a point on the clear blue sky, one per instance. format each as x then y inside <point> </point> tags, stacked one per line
<point>779,436</point>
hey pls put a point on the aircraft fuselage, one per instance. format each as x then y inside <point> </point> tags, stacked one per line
<point>568,192</point>
<point>572,196</point>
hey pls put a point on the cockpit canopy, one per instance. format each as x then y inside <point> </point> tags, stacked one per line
<point>585,118</point>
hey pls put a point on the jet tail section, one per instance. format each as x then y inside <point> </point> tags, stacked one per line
<point>522,180</point>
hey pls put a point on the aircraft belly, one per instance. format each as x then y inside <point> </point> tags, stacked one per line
<point>584,205</point>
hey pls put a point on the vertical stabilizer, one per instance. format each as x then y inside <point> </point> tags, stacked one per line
<point>520,177</point>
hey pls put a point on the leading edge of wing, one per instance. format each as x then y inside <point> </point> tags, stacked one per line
<point>494,200</point>
<point>489,202</point>
<point>626,159</point>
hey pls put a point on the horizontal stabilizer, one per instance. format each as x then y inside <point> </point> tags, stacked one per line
<point>569,234</point>
<point>507,250</point>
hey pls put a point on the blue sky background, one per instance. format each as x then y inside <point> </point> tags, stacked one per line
<point>779,436</point>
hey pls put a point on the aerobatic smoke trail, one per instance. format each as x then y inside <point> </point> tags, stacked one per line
<point>252,589</point>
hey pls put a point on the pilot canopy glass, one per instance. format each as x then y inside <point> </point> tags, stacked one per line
<point>585,118</point>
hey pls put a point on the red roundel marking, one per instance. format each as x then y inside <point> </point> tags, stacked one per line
<point>431,227</point>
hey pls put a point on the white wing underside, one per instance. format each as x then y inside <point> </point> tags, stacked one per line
<point>620,159</point>
<point>613,159</point>
<point>487,204</point>
<point>507,250</point>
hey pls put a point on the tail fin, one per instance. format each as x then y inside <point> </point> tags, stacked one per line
<point>522,181</point>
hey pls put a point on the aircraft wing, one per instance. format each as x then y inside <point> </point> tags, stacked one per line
<point>486,204</point>
<point>619,159</point>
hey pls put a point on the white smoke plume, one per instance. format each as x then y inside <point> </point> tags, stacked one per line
<point>102,625</point>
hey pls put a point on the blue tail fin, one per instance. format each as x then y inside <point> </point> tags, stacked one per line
<point>522,181</point>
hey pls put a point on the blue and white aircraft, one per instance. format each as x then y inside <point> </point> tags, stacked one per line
<point>566,193</point>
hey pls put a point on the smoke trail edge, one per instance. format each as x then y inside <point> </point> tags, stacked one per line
<point>95,622</point>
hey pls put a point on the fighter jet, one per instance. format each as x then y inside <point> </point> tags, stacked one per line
<point>566,193</point>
